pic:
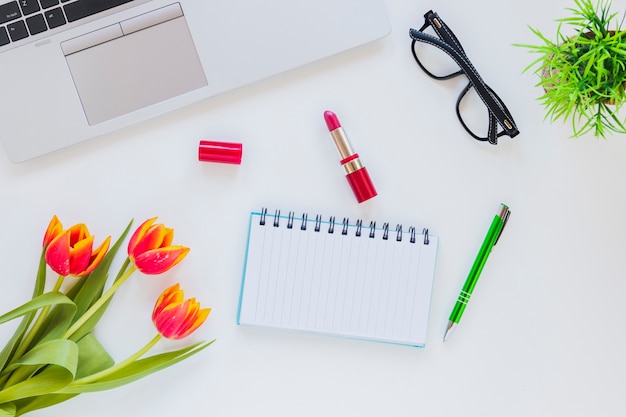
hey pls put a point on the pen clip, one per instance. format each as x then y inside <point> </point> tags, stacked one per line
<point>505,218</point>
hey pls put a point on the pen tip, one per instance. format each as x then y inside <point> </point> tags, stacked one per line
<point>449,329</point>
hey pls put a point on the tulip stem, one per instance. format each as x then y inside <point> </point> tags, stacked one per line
<point>118,366</point>
<point>23,347</point>
<point>99,303</point>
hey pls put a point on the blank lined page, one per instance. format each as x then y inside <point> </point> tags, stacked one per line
<point>338,278</point>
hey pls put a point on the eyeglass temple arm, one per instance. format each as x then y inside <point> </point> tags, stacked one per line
<point>433,20</point>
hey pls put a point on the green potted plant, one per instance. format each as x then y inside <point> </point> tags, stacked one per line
<point>583,72</point>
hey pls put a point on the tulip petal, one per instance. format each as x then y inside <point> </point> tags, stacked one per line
<point>78,232</point>
<point>170,320</point>
<point>80,255</point>
<point>152,239</point>
<point>54,229</point>
<point>96,257</point>
<point>58,254</point>
<point>193,321</point>
<point>158,261</point>
<point>199,320</point>
<point>172,295</point>
<point>168,236</point>
<point>138,235</point>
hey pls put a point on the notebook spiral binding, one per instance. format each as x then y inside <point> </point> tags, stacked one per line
<point>345,224</point>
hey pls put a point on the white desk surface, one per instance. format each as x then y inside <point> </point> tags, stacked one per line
<point>543,334</point>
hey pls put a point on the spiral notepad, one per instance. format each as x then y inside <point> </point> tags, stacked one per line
<point>338,278</point>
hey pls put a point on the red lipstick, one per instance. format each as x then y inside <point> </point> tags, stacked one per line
<point>356,174</point>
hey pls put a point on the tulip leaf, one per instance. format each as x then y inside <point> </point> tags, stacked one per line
<point>137,370</point>
<point>15,340</point>
<point>92,357</point>
<point>58,352</point>
<point>7,410</point>
<point>50,298</point>
<point>50,379</point>
<point>28,309</point>
<point>9,348</point>
<point>33,359</point>
<point>56,323</point>
<point>57,360</point>
<point>40,281</point>
<point>78,285</point>
<point>26,405</point>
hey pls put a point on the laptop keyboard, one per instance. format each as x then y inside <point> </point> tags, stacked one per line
<point>20,19</point>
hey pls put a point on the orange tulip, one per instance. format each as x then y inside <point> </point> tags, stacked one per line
<point>71,252</point>
<point>175,317</point>
<point>150,248</point>
<point>54,229</point>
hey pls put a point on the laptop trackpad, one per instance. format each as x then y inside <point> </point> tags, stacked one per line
<point>134,64</point>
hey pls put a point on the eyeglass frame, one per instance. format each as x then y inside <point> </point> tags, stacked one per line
<point>449,43</point>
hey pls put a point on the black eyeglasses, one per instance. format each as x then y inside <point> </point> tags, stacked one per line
<point>448,43</point>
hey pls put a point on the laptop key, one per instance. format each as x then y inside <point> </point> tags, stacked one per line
<point>4,36</point>
<point>55,17</point>
<point>29,6</point>
<point>83,8</point>
<point>36,24</point>
<point>17,30</point>
<point>9,11</point>
<point>46,4</point>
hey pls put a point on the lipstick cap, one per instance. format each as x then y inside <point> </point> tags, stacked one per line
<point>223,152</point>
<point>361,185</point>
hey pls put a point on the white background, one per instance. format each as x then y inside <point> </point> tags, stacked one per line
<point>543,334</point>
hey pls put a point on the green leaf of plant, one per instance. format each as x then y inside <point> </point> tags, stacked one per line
<point>58,322</point>
<point>11,345</point>
<point>59,352</point>
<point>7,410</point>
<point>50,298</point>
<point>28,309</point>
<point>9,348</point>
<point>587,68</point>
<point>137,370</point>
<point>50,379</point>
<point>26,405</point>
<point>92,357</point>
<point>40,281</point>
<point>57,360</point>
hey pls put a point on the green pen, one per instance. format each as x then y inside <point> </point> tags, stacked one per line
<point>495,230</point>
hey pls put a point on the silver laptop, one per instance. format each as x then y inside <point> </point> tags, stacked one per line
<point>71,70</point>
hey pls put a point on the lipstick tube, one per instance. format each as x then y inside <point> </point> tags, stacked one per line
<point>356,174</point>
